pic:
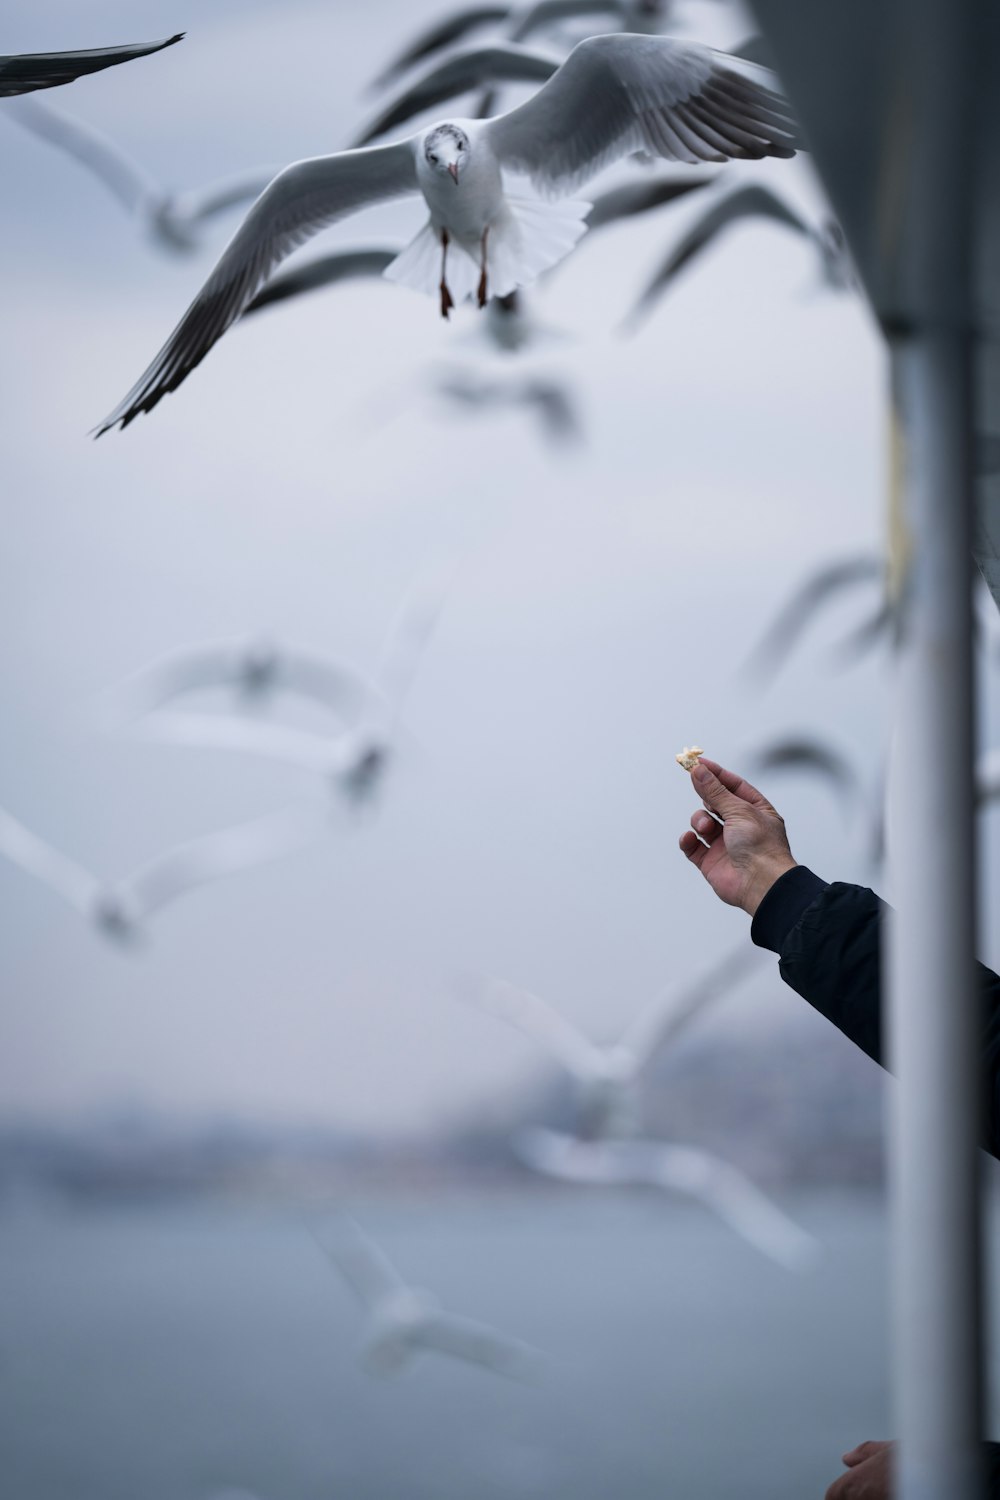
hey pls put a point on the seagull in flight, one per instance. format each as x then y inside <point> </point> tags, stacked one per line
<point>607,1077</point>
<point>254,669</point>
<point>119,910</point>
<point>613,95</point>
<point>405,1321</point>
<point>676,1169</point>
<point>25,72</point>
<point>746,203</point>
<point>357,758</point>
<point>173,221</point>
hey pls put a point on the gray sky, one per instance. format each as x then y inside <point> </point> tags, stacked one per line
<point>295,485</point>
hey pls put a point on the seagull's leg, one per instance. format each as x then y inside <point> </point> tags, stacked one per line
<point>482,270</point>
<point>447,301</point>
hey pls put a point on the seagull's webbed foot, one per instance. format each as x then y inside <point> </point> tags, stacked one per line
<point>447,300</point>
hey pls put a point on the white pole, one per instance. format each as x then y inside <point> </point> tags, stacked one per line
<point>934,1032</point>
<point>934,1035</point>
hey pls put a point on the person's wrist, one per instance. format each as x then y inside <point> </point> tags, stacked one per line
<point>765,873</point>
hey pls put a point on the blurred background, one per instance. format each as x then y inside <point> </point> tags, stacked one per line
<point>181,1118</point>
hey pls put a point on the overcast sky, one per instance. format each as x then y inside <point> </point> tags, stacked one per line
<point>294,486</point>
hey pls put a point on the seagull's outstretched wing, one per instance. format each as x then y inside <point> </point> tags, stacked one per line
<point>660,1022</point>
<point>457,75</point>
<point>318,753</point>
<point>364,1266</point>
<point>443,34</point>
<point>303,199</point>
<point>133,187</point>
<point>814,756</point>
<point>463,1338</point>
<point>751,202</point>
<point>545,13</point>
<point>539,1021</point>
<point>54,869</point>
<point>795,614</point>
<point>216,855</point>
<point>618,94</point>
<point>27,71</point>
<point>246,666</point>
<point>641,197</point>
<point>326,270</point>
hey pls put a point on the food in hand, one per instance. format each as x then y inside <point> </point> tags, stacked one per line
<point>689,757</point>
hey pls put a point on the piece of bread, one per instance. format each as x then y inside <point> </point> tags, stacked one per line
<point>689,757</point>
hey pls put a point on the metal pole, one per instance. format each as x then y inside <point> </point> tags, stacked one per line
<point>934,1034</point>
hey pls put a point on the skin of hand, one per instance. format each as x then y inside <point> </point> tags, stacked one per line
<point>869,1474</point>
<point>748,849</point>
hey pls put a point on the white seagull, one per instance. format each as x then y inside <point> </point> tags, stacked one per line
<point>355,759</point>
<point>254,669</point>
<point>612,96</point>
<point>120,909</point>
<point>677,1169</point>
<point>25,72</point>
<point>405,1320</point>
<point>173,221</point>
<point>607,1077</point>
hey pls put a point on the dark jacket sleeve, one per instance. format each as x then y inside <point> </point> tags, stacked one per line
<point>827,938</point>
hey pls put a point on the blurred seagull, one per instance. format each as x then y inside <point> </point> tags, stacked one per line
<point>524,20</point>
<point>678,1169</point>
<point>548,398</point>
<point>405,1320</point>
<point>326,270</point>
<point>613,95</point>
<point>753,202</point>
<point>174,221</point>
<point>815,591</point>
<point>817,758</point>
<point>25,72</point>
<point>254,669</point>
<point>607,1077</point>
<point>120,909</point>
<point>357,758</point>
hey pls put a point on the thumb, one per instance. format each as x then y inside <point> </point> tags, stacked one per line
<point>714,794</point>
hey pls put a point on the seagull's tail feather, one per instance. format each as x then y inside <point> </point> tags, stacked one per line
<point>419,266</point>
<point>530,238</point>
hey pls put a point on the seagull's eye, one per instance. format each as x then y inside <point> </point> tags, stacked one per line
<point>434,158</point>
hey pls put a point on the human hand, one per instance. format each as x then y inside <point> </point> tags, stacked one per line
<point>869,1474</point>
<point>748,850</point>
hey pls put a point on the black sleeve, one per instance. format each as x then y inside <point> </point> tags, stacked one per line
<point>828,938</point>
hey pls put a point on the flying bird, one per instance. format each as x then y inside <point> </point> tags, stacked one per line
<point>676,1169</point>
<point>25,72</point>
<point>523,21</point>
<point>735,208</point>
<point>254,670</point>
<point>120,909</point>
<point>546,397</point>
<point>173,221</point>
<point>607,1077</point>
<point>354,760</point>
<point>405,1321</point>
<point>613,95</point>
<point>809,597</point>
<point>815,757</point>
<point>324,271</point>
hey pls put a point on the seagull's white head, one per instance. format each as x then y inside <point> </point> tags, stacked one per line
<point>446,149</point>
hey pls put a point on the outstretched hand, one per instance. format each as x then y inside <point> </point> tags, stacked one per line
<point>742,849</point>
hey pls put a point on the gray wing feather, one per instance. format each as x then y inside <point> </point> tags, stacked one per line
<point>465,1339</point>
<point>618,94</point>
<point>54,869</point>
<point>457,75</point>
<point>363,1264</point>
<point>326,270</point>
<point>126,180</point>
<point>746,203</point>
<point>641,197</point>
<point>659,1022</point>
<point>442,35</point>
<point>303,199</point>
<point>793,617</point>
<point>27,71</point>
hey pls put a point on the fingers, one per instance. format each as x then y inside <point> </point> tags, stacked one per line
<point>862,1451</point>
<point>693,849</point>
<point>735,783</point>
<point>714,793</point>
<point>705,826</point>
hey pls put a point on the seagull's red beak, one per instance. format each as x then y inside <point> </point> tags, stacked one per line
<point>453,172</point>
